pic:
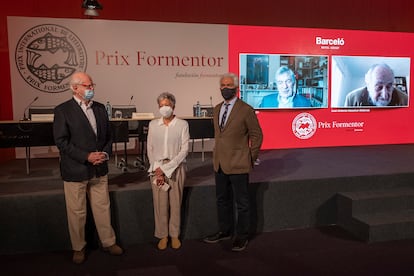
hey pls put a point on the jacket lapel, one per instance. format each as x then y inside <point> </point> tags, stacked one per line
<point>84,118</point>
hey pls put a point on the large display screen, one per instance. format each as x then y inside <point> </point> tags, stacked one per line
<point>270,81</point>
<point>323,87</point>
<point>370,81</point>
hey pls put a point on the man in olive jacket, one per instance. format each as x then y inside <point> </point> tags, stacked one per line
<point>238,137</point>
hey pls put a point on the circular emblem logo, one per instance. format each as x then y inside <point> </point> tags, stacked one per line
<point>47,55</point>
<point>304,126</point>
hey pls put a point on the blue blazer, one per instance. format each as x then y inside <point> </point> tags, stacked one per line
<point>75,139</point>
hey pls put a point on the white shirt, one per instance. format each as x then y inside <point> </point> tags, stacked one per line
<point>285,104</point>
<point>87,109</point>
<point>167,142</point>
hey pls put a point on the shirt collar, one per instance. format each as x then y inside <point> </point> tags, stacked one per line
<point>82,103</point>
<point>288,103</point>
<point>161,122</point>
<point>231,102</point>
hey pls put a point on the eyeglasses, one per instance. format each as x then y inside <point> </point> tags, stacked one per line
<point>90,86</point>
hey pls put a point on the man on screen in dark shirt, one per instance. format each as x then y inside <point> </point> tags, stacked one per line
<point>287,97</point>
<point>379,90</point>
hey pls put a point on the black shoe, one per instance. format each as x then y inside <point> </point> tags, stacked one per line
<point>239,244</point>
<point>219,236</point>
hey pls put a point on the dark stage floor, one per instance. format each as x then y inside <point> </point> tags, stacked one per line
<point>327,250</point>
<point>323,251</point>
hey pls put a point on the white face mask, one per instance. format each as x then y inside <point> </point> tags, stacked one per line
<point>166,111</point>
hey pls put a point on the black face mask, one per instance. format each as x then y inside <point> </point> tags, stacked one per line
<point>228,93</point>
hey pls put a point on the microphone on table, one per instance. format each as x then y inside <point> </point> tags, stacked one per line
<point>130,101</point>
<point>25,118</point>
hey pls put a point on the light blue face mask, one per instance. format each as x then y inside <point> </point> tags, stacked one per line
<point>89,93</point>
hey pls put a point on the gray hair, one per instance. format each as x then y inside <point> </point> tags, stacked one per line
<point>368,75</point>
<point>75,79</point>
<point>168,96</point>
<point>284,70</point>
<point>232,76</point>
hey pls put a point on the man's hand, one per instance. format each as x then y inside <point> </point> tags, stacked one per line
<point>96,157</point>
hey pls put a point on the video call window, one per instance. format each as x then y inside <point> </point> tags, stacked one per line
<point>273,81</point>
<point>374,82</point>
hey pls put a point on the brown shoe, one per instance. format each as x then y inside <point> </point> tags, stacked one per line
<point>175,243</point>
<point>162,244</point>
<point>114,250</point>
<point>79,256</point>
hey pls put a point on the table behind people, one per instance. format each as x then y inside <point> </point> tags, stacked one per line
<point>16,133</point>
<point>26,134</point>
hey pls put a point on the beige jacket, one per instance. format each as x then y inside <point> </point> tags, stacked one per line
<point>360,97</point>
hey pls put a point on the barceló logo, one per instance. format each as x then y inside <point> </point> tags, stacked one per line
<point>47,55</point>
<point>304,126</point>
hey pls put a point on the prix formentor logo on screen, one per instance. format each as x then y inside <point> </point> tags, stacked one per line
<point>47,55</point>
<point>304,126</point>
